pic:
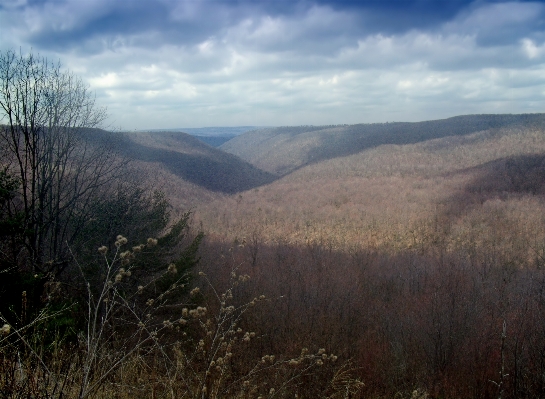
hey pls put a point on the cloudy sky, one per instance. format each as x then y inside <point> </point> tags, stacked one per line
<point>195,63</point>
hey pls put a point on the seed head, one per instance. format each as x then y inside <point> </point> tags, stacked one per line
<point>152,242</point>
<point>5,330</point>
<point>120,240</point>
<point>103,249</point>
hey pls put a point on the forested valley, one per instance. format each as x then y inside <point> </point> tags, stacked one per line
<point>394,260</point>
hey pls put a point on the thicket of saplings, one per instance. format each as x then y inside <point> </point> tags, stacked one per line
<point>430,323</point>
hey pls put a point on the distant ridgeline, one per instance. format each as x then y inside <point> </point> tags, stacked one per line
<point>281,150</point>
<point>213,136</point>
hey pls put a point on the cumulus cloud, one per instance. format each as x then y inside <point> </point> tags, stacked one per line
<point>167,63</point>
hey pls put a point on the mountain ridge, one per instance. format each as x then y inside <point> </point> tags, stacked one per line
<point>282,150</point>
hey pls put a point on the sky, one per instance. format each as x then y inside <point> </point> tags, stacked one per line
<point>192,63</point>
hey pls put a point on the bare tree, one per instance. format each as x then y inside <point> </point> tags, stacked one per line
<point>46,114</point>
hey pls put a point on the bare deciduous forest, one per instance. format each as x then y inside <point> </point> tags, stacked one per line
<point>401,260</point>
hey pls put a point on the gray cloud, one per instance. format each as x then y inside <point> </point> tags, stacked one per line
<point>168,63</point>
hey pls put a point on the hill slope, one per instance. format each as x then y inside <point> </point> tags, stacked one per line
<point>192,160</point>
<point>285,149</point>
<point>189,171</point>
<point>468,190</point>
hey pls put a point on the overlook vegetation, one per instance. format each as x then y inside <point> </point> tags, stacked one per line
<point>399,260</point>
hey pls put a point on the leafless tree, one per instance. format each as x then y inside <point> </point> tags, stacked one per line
<point>46,114</point>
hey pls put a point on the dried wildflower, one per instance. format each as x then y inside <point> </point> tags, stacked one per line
<point>194,291</point>
<point>118,278</point>
<point>246,337</point>
<point>120,240</point>
<point>320,363</point>
<point>201,344</point>
<point>5,330</point>
<point>103,249</point>
<point>293,362</point>
<point>137,248</point>
<point>172,269</point>
<point>167,324</point>
<point>125,254</point>
<point>202,274</point>
<point>149,302</point>
<point>141,325</point>
<point>272,391</point>
<point>182,321</point>
<point>321,351</point>
<point>152,242</point>
<point>262,297</point>
<point>185,312</point>
<point>140,289</point>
